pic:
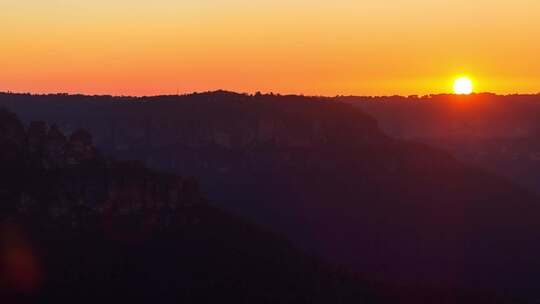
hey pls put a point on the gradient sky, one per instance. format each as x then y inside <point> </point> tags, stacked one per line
<point>362,47</point>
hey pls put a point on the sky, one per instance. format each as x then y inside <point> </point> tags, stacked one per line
<point>316,47</point>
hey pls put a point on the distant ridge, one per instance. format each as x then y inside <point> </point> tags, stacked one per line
<point>432,95</point>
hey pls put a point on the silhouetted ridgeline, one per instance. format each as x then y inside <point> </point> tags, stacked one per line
<point>321,172</point>
<point>498,133</point>
<point>77,227</point>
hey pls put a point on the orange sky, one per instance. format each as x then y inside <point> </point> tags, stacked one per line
<point>362,47</point>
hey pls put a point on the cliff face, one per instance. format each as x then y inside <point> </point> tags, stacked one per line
<point>222,119</point>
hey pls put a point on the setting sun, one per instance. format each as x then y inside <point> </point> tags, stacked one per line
<point>463,86</point>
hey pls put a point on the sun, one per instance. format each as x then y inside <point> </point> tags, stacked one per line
<point>463,86</point>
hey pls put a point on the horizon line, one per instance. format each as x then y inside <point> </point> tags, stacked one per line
<point>8,92</point>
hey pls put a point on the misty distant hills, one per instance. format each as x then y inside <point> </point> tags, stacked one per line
<point>498,133</point>
<point>322,172</point>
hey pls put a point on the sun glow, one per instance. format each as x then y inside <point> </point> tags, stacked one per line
<point>463,86</point>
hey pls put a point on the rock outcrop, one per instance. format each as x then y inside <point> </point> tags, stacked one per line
<point>67,180</point>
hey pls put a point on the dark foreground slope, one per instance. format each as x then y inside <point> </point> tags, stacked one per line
<point>324,174</point>
<point>75,228</point>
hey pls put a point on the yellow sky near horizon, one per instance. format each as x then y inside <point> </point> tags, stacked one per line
<point>361,47</point>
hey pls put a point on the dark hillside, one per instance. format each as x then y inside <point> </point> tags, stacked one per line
<point>323,173</point>
<point>77,227</point>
